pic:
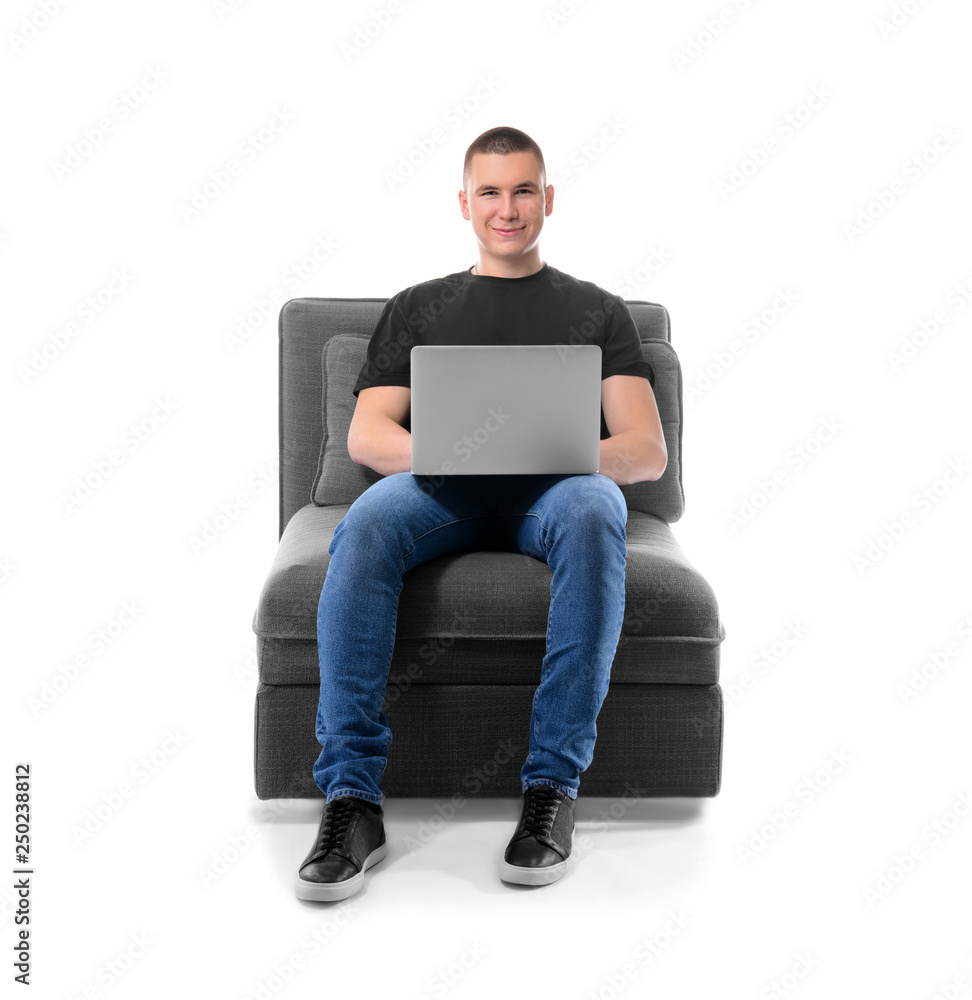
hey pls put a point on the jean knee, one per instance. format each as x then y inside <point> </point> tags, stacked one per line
<point>598,498</point>
<point>384,512</point>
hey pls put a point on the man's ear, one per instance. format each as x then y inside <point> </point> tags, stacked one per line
<point>548,199</point>
<point>463,204</point>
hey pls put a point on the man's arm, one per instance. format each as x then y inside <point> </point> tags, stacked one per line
<point>636,450</point>
<point>377,436</point>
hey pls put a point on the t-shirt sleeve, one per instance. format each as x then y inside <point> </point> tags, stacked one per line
<point>621,354</point>
<point>388,361</point>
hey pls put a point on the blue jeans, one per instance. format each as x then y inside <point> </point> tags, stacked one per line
<point>574,523</point>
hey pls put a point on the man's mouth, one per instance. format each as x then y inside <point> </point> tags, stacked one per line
<point>508,232</point>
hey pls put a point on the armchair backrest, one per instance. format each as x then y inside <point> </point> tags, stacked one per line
<point>322,345</point>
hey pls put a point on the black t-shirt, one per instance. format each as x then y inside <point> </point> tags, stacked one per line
<point>547,307</point>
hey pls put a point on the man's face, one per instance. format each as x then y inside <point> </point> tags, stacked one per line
<point>505,202</point>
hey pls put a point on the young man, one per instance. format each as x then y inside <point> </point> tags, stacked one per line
<point>575,523</point>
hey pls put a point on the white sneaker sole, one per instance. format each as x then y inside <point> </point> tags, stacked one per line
<point>326,892</point>
<point>532,876</point>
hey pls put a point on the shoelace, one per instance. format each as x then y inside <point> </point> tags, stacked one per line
<point>539,812</point>
<point>337,825</point>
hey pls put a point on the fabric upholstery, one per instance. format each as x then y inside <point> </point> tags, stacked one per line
<point>671,629</point>
<point>471,629</point>
<point>472,739</point>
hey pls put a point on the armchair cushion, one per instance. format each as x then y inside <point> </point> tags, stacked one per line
<point>483,615</point>
<point>339,480</point>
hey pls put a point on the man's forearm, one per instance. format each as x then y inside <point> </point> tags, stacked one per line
<point>386,449</point>
<point>630,457</point>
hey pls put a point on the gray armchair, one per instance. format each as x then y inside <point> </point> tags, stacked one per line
<point>472,628</point>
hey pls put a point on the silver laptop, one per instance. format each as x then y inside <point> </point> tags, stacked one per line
<point>527,409</point>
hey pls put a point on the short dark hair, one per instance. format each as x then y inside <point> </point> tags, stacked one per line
<point>503,139</point>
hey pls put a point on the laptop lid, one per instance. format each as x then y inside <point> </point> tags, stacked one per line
<point>492,409</point>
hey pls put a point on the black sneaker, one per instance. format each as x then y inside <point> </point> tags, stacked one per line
<point>351,839</point>
<point>538,852</point>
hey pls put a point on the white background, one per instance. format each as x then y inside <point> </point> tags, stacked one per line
<point>687,112</point>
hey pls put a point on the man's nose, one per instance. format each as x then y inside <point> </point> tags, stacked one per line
<point>508,208</point>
